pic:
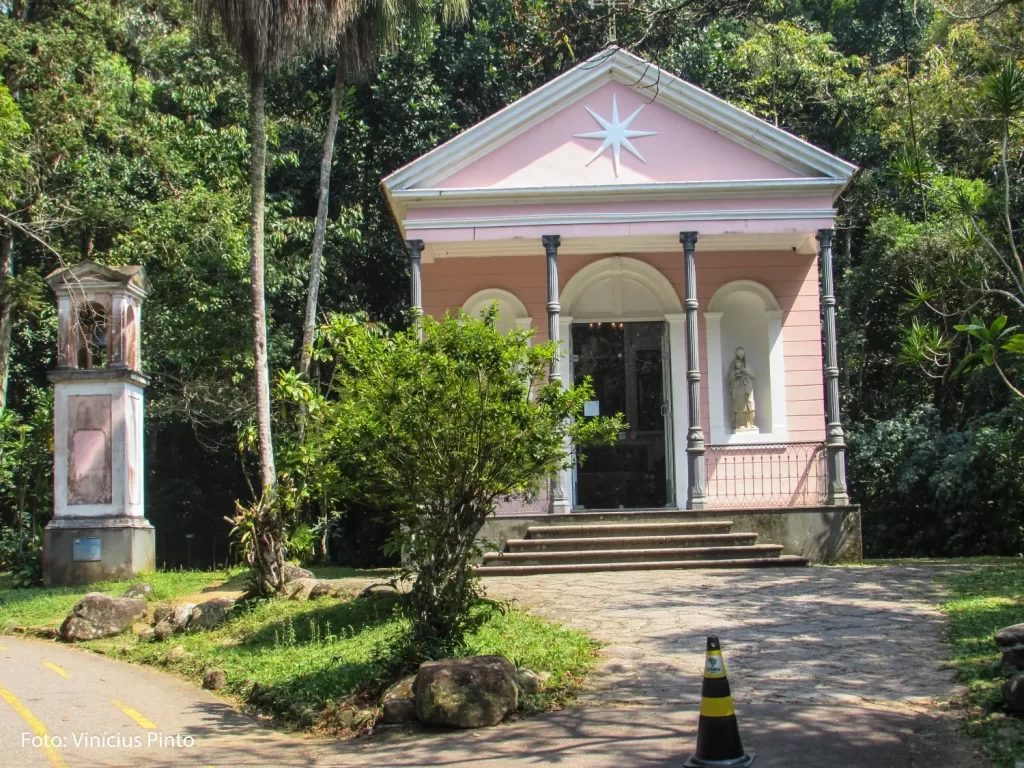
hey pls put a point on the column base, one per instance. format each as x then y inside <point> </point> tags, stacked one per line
<point>83,550</point>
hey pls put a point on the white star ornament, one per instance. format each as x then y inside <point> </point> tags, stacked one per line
<point>615,134</point>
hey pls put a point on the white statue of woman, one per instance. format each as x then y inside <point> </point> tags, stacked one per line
<point>741,388</point>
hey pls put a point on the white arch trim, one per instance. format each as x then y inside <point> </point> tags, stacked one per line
<point>624,268</point>
<point>478,300</point>
<point>744,286</point>
<point>721,434</point>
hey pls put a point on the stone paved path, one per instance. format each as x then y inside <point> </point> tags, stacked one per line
<point>860,636</point>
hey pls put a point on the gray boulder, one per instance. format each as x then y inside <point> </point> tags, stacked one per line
<point>146,634</point>
<point>310,589</point>
<point>161,611</point>
<point>466,693</point>
<point>177,653</point>
<point>181,616</point>
<point>399,702</point>
<point>214,679</point>
<point>299,589</point>
<point>1008,637</point>
<point>527,680</point>
<point>1013,694</point>
<point>138,591</point>
<point>163,629</point>
<point>211,613</point>
<point>291,572</point>
<point>1012,661</point>
<point>98,615</point>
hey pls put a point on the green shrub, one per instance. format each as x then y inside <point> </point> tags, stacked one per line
<point>928,490</point>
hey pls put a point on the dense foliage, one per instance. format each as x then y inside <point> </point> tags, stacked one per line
<point>124,137</point>
<point>441,422</point>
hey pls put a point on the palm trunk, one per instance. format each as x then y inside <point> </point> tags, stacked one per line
<point>258,146</point>
<point>6,273</point>
<point>320,231</point>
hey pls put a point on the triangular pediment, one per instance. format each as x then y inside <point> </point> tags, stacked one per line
<point>89,274</point>
<point>685,135</point>
<point>577,145</point>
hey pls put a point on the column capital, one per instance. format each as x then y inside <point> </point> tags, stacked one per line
<point>825,237</point>
<point>416,246</point>
<point>551,241</point>
<point>688,239</point>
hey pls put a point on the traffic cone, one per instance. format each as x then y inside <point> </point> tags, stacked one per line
<point>718,735</point>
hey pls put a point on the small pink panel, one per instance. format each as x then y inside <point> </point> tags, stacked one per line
<point>550,154</point>
<point>89,460</point>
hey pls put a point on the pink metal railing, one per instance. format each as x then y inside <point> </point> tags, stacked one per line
<point>766,475</point>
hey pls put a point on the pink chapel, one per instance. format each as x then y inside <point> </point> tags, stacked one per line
<point>680,251</point>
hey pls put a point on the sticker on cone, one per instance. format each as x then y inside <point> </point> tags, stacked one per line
<point>718,734</point>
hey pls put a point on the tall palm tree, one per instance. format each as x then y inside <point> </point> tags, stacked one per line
<point>266,33</point>
<point>380,26</point>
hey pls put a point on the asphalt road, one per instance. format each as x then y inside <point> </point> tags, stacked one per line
<point>65,708</point>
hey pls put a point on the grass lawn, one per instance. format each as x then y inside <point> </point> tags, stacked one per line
<point>47,606</point>
<point>980,604</point>
<point>314,654</point>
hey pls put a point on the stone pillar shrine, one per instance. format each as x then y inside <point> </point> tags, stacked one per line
<point>99,530</point>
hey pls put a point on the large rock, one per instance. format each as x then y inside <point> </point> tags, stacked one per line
<point>214,679</point>
<point>1012,661</point>
<point>466,693</point>
<point>98,615</point>
<point>138,591</point>
<point>1013,694</point>
<point>211,613</point>
<point>291,572</point>
<point>299,589</point>
<point>1008,637</point>
<point>527,680</point>
<point>161,611</point>
<point>399,702</point>
<point>311,589</point>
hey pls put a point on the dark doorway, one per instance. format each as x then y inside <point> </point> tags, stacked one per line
<point>629,368</point>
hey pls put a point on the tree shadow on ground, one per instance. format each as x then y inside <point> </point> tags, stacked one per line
<point>814,634</point>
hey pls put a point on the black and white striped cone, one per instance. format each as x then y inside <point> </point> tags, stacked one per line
<point>718,735</point>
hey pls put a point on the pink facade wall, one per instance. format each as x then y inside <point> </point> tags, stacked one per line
<point>549,154</point>
<point>791,277</point>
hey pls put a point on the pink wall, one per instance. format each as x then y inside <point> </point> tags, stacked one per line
<point>791,277</point>
<point>549,154</point>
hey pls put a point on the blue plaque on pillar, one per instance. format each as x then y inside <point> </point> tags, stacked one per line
<point>86,550</point>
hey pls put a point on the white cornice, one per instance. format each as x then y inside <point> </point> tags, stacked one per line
<point>555,219</point>
<point>675,190</point>
<point>627,69</point>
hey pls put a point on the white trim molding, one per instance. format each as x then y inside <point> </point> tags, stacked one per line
<point>631,217</point>
<point>622,267</point>
<point>680,419</point>
<point>659,190</point>
<point>720,432</point>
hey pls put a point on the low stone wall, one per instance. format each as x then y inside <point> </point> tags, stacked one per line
<point>821,534</point>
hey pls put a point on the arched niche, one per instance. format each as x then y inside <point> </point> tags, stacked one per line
<point>511,311</point>
<point>745,314</point>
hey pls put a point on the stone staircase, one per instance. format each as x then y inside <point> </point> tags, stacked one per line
<point>632,541</point>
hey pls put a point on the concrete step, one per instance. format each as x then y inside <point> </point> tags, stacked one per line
<point>573,557</point>
<point>615,530</point>
<point>557,544</point>
<point>653,565</point>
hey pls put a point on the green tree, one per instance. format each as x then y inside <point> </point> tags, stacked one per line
<point>265,34</point>
<point>441,430</point>
<point>380,27</point>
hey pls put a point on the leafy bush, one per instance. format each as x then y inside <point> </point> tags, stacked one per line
<point>929,490</point>
<point>440,429</point>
